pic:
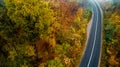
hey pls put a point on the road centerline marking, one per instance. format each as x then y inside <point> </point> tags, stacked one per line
<point>94,40</point>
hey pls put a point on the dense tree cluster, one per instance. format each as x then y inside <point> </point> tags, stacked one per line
<point>111,41</point>
<point>42,33</point>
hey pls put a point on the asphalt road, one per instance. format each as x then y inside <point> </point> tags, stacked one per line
<point>91,57</point>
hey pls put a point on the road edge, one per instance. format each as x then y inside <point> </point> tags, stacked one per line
<point>89,25</point>
<point>101,33</point>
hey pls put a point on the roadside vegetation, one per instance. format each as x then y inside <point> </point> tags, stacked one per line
<point>111,35</point>
<point>42,33</point>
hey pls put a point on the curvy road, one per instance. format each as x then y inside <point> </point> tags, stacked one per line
<point>92,53</point>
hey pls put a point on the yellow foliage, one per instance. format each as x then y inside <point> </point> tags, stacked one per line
<point>52,42</point>
<point>30,50</point>
<point>67,60</point>
<point>12,55</point>
<point>115,18</point>
<point>79,12</point>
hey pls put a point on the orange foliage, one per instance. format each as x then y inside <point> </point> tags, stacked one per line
<point>44,49</point>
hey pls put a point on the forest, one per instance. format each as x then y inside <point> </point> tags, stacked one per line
<point>46,33</point>
<point>111,35</point>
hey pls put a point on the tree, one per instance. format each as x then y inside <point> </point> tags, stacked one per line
<point>26,21</point>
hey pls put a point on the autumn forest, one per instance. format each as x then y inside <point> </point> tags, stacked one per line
<point>53,33</point>
<point>42,33</point>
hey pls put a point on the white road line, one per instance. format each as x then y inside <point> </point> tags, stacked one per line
<point>94,41</point>
<point>101,32</point>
